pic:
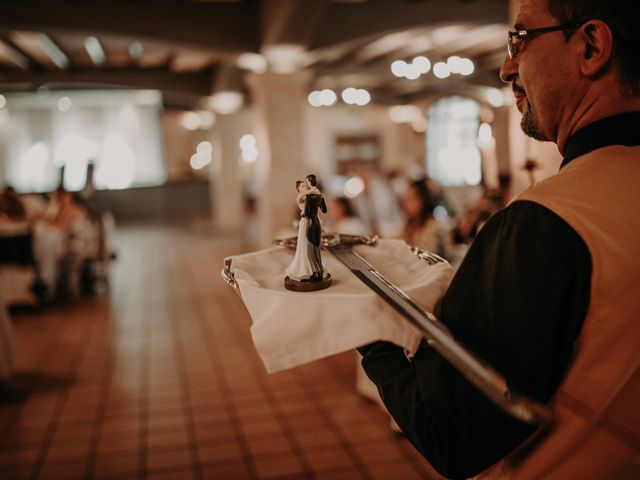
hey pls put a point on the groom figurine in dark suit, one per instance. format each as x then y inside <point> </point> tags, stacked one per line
<point>314,202</point>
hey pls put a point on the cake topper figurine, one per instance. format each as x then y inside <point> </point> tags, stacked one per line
<point>306,273</point>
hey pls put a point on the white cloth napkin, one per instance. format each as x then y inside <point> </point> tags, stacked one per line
<point>293,328</point>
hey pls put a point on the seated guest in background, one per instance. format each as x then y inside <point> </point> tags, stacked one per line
<point>492,200</point>
<point>65,237</point>
<point>422,229</point>
<point>10,205</point>
<point>343,218</point>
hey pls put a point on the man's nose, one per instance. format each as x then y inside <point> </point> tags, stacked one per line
<point>508,70</point>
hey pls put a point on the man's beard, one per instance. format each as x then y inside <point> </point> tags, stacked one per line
<point>529,126</point>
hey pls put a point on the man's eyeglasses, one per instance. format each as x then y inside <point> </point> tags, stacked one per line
<point>516,39</point>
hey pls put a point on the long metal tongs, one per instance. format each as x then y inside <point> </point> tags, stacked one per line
<point>478,372</point>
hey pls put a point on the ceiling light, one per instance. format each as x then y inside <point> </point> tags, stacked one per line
<point>420,125</point>
<point>362,97</point>
<point>204,147</point>
<point>466,66</point>
<point>328,97</point>
<point>207,118</point>
<point>314,99</point>
<point>136,49</point>
<point>454,63</point>
<point>485,135</point>
<point>413,72</point>
<point>226,102</point>
<point>399,68</point>
<point>200,160</point>
<point>252,61</point>
<point>57,56</point>
<point>495,97</point>
<point>190,121</point>
<point>247,141</point>
<point>349,95</point>
<point>422,63</point>
<point>441,70</point>
<point>249,155</point>
<point>94,50</point>
<point>353,187</point>
<point>284,58</point>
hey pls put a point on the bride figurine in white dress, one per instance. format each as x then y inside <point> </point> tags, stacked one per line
<point>300,269</point>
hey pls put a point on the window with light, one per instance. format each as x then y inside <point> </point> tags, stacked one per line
<point>453,158</point>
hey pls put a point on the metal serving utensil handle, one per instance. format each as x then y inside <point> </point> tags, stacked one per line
<point>228,276</point>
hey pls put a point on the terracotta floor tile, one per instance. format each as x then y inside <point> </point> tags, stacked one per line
<point>158,459</point>
<point>72,451</point>
<point>404,470</point>
<point>209,415</point>
<point>278,466</point>
<point>328,458</point>
<point>166,426</point>
<point>367,432</point>
<point>120,428</point>
<point>226,471</point>
<point>113,445</point>
<point>303,423</point>
<point>167,439</point>
<point>349,473</point>
<point>17,472</point>
<point>270,446</point>
<point>180,474</point>
<point>263,428</point>
<point>175,421</point>
<point>79,435</point>
<point>125,463</point>
<point>380,452</point>
<point>67,471</point>
<point>164,412</point>
<point>23,438</point>
<point>313,438</point>
<point>15,457</point>
<point>36,422</point>
<point>219,451</point>
<point>214,431</point>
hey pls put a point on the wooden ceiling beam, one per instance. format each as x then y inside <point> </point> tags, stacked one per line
<point>225,26</point>
<point>18,55</point>
<point>353,20</point>
<point>158,79</point>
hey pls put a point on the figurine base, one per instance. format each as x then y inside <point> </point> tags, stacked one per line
<point>307,285</point>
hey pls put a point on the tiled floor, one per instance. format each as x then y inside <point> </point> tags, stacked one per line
<point>158,379</point>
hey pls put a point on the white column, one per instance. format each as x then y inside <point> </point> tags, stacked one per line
<point>279,101</point>
<point>224,173</point>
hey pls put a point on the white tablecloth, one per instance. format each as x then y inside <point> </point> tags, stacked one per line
<point>293,328</point>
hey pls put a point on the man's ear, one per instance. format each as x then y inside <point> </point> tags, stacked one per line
<point>598,47</point>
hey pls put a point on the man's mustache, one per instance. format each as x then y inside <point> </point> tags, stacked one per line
<point>518,90</point>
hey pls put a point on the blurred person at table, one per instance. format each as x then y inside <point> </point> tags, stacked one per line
<point>492,200</point>
<point>11,206</point>
<point>422,229</point>
<point>64,237</point>
<point>343,218</point>
<point>548,292</point>
<point>13,217</point>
